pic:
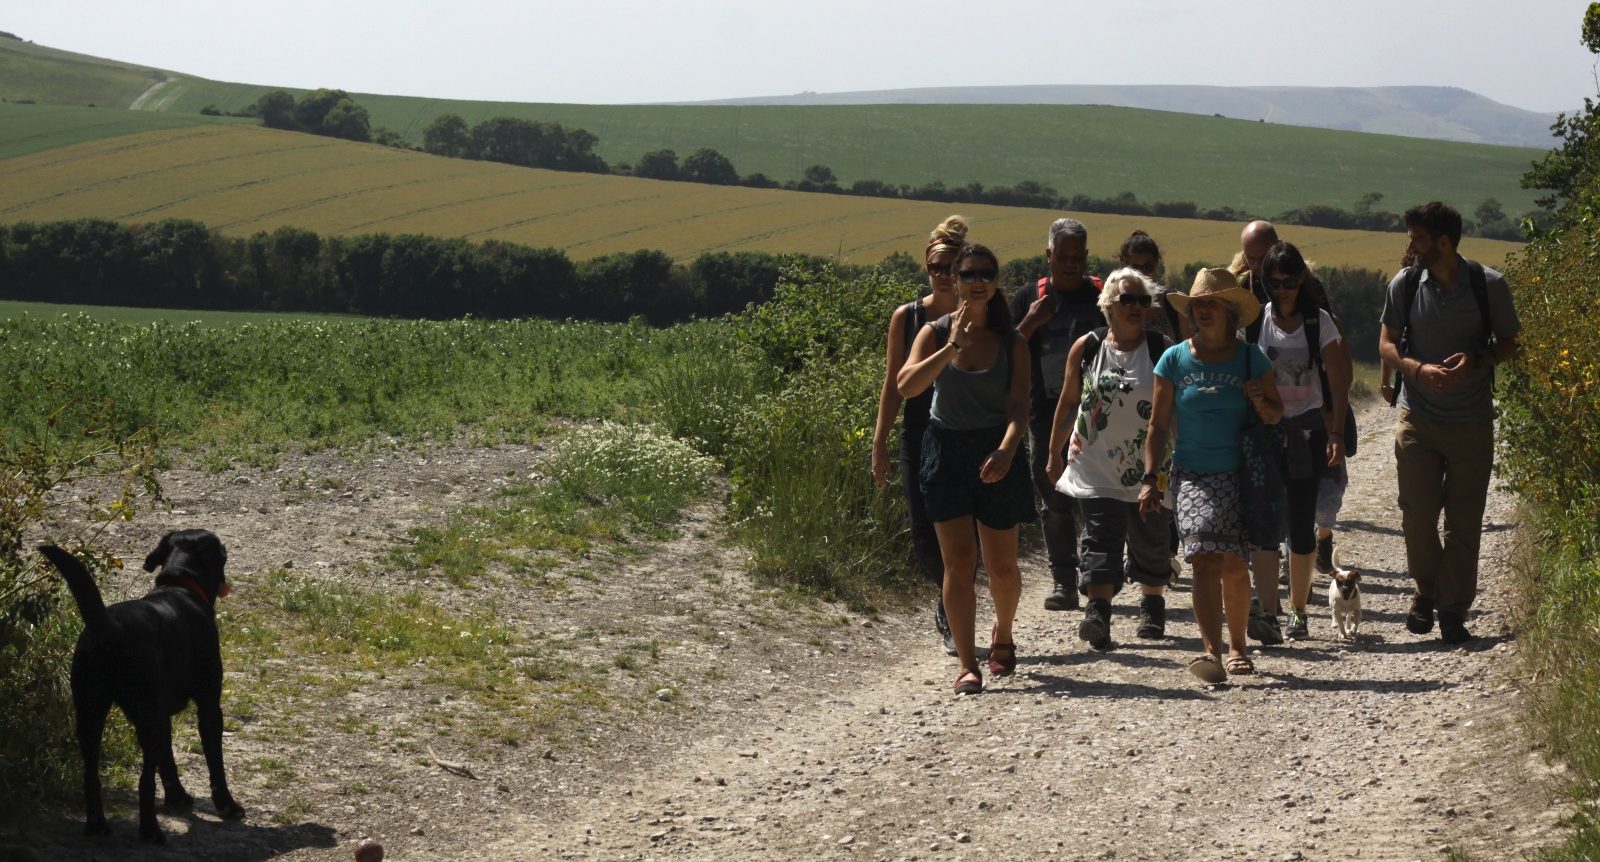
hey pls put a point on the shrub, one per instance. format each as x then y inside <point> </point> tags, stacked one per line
<point>651,475</point>
<point>815,314</point>
<point>70,488</point>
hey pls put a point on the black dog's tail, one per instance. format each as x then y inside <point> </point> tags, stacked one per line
<point>95,619</point>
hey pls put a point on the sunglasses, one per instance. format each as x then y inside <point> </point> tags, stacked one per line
<point>1284,282</point>
<point>1140,299</point>
<point>941,270</point>
<point>987,275</point>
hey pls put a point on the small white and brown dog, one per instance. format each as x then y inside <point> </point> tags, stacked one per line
<point>1344,600</point>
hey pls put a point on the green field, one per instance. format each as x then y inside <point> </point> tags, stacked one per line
<point>1098,151</point>
<point>26,129</point>
<point>243,179</point>
<point>11,310</point>
<point>48,75</point>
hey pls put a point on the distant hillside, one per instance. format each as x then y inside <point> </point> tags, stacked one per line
<point>1101,152</point>
<point>30,72</point>
<point>242,179</point>
<point>1440,113</point>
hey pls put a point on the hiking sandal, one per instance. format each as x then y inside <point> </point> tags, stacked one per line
<point>1207,669</point>
<point>969,682</point>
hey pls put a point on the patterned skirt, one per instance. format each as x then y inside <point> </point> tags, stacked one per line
<point>1208,515</point>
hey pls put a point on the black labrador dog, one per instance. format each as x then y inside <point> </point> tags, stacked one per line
<point>151,656</point>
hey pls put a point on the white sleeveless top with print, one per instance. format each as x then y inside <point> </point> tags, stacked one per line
<point>1106,456</point>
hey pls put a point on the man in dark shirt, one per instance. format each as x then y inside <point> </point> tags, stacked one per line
<point>1053,314</point>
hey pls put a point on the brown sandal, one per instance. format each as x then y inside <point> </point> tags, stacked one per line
<point>969,682</point>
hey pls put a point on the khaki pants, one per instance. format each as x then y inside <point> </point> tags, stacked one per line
<point>1443,466</point>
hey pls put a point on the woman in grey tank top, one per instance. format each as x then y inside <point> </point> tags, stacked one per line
<point>979,371</point>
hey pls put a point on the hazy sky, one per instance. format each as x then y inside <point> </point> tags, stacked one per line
<point>1524,53</point>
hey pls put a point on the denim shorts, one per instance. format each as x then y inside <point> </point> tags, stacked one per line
<point>950,485</point>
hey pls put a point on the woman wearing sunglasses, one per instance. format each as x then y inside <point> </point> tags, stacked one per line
<point>980,375</point>
<point>939,258</point>
<point>1315,388</point>
<point>1105,406</point>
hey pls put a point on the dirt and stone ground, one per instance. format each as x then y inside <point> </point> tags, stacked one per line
<point>767,727</point>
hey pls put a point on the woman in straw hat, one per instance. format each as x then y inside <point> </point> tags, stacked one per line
<point>972,469</point>
<point>939,258</point>
<point>1205,386</point>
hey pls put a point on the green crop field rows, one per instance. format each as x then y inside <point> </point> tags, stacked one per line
<point>11,310</point>
<point>242,179</point>
<point>26,129</point>
<point>1099,151</point>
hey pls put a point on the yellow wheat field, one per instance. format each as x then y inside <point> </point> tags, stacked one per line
<point>245,179</point>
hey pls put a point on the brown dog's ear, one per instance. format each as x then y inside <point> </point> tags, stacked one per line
<point>158,557</point>
<point>1355,576</point>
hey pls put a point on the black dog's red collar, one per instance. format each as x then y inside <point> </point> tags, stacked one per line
<point>191,583</point>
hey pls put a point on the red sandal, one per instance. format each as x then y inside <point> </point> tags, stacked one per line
<point>1001,666</point>
<point>969,682</point>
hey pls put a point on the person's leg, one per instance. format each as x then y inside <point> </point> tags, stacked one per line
<point>1330,499</point>
<point>1005,580</point>
<point>1056,521</point>
<point>960,551</point>
<point>1419,468</point>
<point>1301,495</point>
<point>1149,566</point>
<point>1105,524</point>
<point>1235,587</point>
<point>1264,567</point>
<point>1469,457</point>
<point>1206,593</point>
<point>924,539</point>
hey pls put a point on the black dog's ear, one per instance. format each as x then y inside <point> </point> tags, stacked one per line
<point>158,557</point>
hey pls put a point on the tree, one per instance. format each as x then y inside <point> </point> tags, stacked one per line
<point>277,110</point>
<point>312,108</point>
<point>347,120</point>
<point>390,138</point>
<point>818,178</point>
<point>706,165</point>
<point>447,136</point>
<point>657,165</point>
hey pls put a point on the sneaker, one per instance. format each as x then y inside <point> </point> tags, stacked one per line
<point>942,623</point>
<point>1325,556</point>
<point>1152,617</point>
<point>1452,628</point>
<point>1297,628</point>
<point>1263,626</point>
<point>1096,625</point>
<point>1419,620</point>
<point>1062,598</point>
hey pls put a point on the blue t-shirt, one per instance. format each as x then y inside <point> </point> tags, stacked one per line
<point>1209,405</point>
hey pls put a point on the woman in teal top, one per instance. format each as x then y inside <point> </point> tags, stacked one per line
<point>1206,386</point>
<point>979,371</point>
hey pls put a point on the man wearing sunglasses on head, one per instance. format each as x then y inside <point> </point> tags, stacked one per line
<point>1059,310</point>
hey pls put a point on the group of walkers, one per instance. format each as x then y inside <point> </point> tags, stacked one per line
<point>1155,425</point>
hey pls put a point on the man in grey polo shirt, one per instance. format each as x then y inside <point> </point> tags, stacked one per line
<point>1444,445</point>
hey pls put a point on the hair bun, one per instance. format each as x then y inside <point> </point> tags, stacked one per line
<point>952,230</point>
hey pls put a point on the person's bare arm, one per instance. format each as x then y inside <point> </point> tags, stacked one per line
<point>1066,410</point>
<point>999,462</point>
<point>1155,443</point>
<point>889,399</point>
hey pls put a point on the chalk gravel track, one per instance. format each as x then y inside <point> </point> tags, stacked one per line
<point>1390,747</point>
<point>820,734</point>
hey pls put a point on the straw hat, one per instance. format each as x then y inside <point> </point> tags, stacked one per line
<point>1221,285</point>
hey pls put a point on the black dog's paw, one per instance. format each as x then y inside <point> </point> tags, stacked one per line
<point>227,809</point>
<point>178,800</point>
<point>96,827</point>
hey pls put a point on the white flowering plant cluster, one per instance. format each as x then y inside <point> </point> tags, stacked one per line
<point>650,473</point>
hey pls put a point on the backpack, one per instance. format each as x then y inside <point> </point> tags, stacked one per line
<point>1154,342</point>
<point>1408,293</point>
<point>1044,285</point>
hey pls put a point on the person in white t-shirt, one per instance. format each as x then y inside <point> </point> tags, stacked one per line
<point>1106,400</point>
<point>1314,386</point>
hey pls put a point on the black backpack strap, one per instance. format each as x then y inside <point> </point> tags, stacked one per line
<point>1480,292</point>
<point>915,317</point>
<point>1313,328</point>
<point>1157,344</point>
<point>1408,294</point>
<point>1091,350</point>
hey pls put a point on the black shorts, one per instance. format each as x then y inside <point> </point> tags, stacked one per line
<point>950,485</point>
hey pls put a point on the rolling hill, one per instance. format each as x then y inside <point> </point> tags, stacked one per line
<point>1257,167</point>
<point>1439,113</point>
<point>242,179</point>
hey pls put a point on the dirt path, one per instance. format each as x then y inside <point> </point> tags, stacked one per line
<point>798,731</point>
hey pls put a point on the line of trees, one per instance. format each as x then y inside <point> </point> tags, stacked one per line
<point>179,263</point>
